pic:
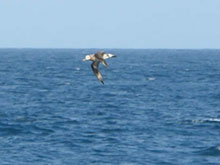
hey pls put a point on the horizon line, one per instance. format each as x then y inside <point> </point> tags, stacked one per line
<point>113,48</point>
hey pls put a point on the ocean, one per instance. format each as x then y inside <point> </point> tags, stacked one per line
<point>157,106</point>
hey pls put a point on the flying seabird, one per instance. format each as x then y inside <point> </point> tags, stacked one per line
<point>97,58</point>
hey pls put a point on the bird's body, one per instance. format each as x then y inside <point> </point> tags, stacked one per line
<point>97,58</point>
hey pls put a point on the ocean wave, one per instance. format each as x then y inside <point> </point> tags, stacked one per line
<point>211,151</point>
<point>208,120</point>
<point>151,78</point>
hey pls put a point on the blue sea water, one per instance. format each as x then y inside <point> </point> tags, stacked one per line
<point>156,107</point>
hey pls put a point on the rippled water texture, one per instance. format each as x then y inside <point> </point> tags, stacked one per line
<point>156,107</point>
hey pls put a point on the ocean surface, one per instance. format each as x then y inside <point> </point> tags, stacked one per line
<point>156,107</point>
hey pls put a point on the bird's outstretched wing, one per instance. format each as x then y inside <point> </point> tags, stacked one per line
<point>95,69</point>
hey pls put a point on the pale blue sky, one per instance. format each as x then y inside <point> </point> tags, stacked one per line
<point>110,23</point>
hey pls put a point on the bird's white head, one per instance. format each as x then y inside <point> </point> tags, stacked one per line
<point>87,57</point>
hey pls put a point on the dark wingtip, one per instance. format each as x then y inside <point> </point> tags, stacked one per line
<point>101,81</point>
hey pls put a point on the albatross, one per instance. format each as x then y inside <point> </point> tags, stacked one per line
<point>97,58</point>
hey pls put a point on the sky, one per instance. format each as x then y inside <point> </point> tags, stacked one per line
<point>178,24</point>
